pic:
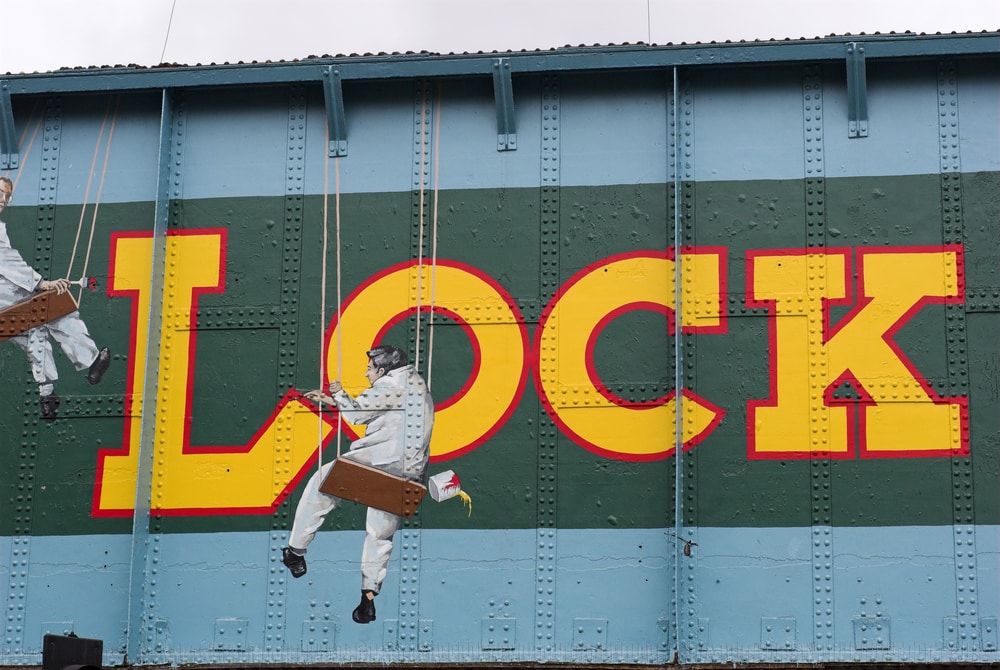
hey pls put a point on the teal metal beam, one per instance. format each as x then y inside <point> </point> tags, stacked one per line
<point>503,93</point>
<point>142,622</point>
<point>857,91</point>
<point>336,121</point>
<point>9,153</point>
<point>575,59</point>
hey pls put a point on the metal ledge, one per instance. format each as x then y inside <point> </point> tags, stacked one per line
<point>503,92</point>
<point>336,120</point>
<point>857,91</point>
<point>404,66</point>
<point>9,152</point>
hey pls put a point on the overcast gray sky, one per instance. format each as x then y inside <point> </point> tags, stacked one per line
<point>42,35</point>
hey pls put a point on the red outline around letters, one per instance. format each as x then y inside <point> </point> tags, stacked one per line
<point>668,254</point>
<point>187,448</point>
<point>857,435</point>
<point>477,353</point>
<point>592,374</point>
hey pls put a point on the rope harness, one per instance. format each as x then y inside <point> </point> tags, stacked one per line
<point>420,259</point>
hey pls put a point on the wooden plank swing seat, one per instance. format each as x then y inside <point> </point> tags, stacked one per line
<point>39,309</point>
<point>369,486</point>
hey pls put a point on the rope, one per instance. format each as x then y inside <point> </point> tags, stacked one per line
<point>322,311</point>
<point>434,233</point>
<point>323,273</point>
<point>86,192</point>
<point>336,164</point>
<point>97,200</point>
<point>100,190</point>
<point>24,154</point>
<point>420,239</point>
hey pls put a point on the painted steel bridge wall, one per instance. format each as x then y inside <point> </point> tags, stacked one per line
<point>836,286</point>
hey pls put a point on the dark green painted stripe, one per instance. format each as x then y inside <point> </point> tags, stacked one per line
<point>498,232</point>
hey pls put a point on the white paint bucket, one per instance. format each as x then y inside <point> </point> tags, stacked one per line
<point>444,485</point>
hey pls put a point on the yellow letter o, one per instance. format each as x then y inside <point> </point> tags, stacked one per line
<point>480,306</point>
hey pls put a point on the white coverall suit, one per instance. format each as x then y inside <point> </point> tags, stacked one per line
<point>18,281</point>
<point>399,414</point>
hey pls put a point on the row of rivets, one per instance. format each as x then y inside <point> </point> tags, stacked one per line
<point>152,644</point>
<point>982,299</point>
<point>546,477</point>
<point>111,406</point>
<point>229,318</point>
<point>422,229</point>
<point>820,468</point>
<point>412,636</point>
<point>694,627</point>
<point>406,632</point>
<point>550,169</point>
<point>157,639</point>
<point>285,318</point>
<point>549,213</point>
<point>670,645</point>
<point>815,169</point>
<point>963,531</point>
<point>21,505</point>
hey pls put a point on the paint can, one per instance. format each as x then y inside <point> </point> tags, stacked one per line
<point>444,485</point>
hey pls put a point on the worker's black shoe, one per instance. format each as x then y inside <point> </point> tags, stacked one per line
<point>295,563</point>
<point>99,366</point>
<point>365,611</point>
<point>50,406</point>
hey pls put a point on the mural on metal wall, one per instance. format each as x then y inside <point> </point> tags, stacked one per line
<point>892,286</point>
<point>386,468</point>
<point>887,288</point>
<point>36,311</point>
<point>651,383</point>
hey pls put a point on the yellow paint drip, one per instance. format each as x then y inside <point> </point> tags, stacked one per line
<point>466,500</point>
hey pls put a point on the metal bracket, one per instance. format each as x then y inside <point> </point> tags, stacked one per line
<point>857,91</point>
<point>336,121</point>
<point>9,156</point>
<point>503,93</point>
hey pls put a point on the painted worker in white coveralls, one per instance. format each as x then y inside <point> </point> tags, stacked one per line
<point>398,413</point>
<point>18,281</point>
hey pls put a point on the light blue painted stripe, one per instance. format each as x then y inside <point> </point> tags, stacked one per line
<point>613,134</point>
<point>236,143</point>
<point>76,584</point>
<point>741,577</point>
<point>905,575</point>
<point>979,121</point>
<point>903,132</point>
<point>750,128</point>
<point>131,162</point>
<point>467,578</point>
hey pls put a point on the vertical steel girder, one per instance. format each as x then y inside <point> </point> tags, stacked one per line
<point>676,176</point>
<point>9,157</point>
<point>141,607</point>
<point>547,466</point>
<point>857,91</point>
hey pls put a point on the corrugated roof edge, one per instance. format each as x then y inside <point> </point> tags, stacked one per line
<point>385,65</point>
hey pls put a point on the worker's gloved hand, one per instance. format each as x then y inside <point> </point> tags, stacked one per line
<point>318,397</point>
<point>60,285</point>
